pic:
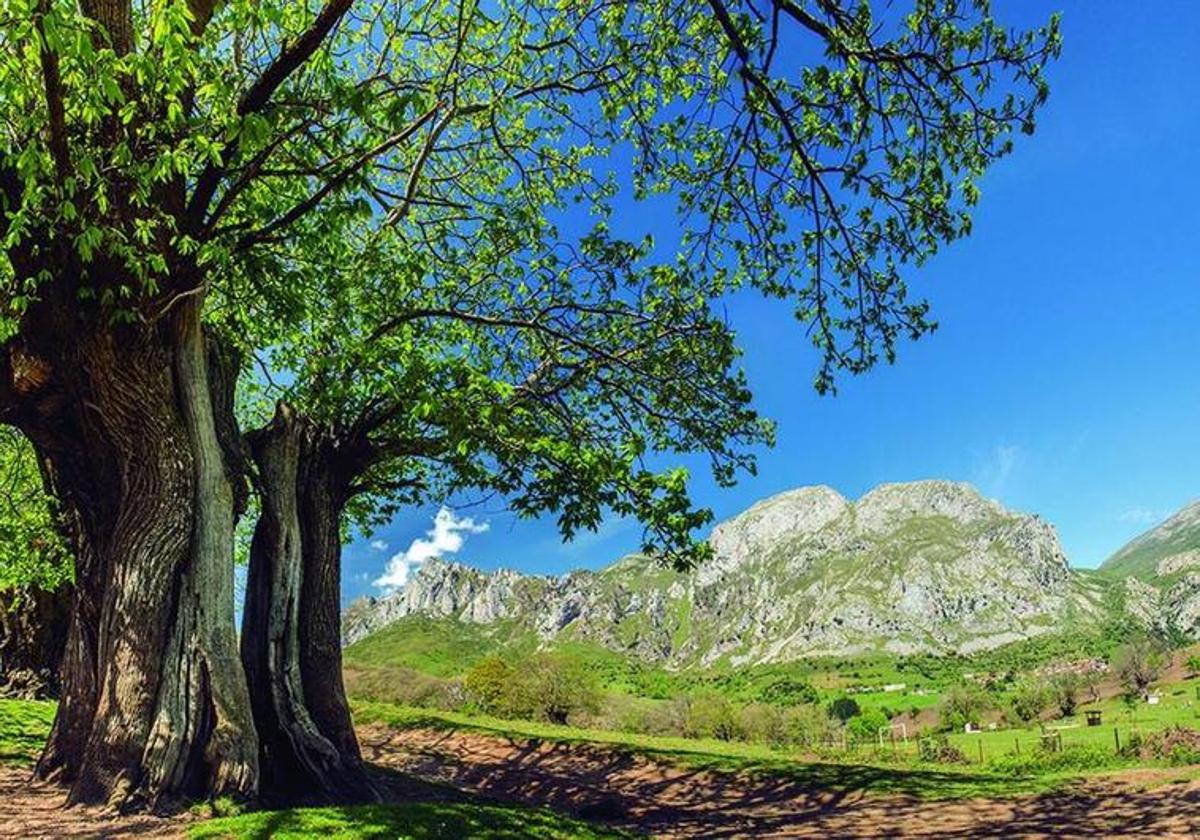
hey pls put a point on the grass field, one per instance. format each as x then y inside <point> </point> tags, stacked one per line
<point>420,821</point>
<point>874,772</point>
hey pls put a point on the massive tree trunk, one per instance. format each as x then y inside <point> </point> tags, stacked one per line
<point>126,421</point>
<point>291,633</point>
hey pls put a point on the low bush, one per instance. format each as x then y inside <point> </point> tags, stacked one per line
<point>1175,745</point>
<point>404,687</point>
<point>937,749</point>
<point>1081,758</point>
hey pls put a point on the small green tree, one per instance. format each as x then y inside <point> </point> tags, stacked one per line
<point>1064,689</point>
<point>552,687</point>
<point>866,726</point>
<point>489,685</point>
<point>963,704</point>
<point>1028,701</point>
<point>844,708</point>
<point>1138,663</point>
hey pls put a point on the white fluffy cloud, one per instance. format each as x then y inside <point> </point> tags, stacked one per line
<point>447,536</point>
<point>379,545</point>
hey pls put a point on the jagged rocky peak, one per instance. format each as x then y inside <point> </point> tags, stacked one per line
<point>890,504</point>
<point>923,566</point>
<point>805,510</point>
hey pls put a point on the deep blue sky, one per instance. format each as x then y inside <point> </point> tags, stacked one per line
<point>1065,377</point>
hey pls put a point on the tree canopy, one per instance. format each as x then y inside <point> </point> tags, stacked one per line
<point>378,201</point>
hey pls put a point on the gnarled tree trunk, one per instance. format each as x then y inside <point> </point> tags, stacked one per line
<point>125,419</point>
<point>291,636</point>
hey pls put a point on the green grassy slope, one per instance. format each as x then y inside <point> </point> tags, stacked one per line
<point>1140,557</point>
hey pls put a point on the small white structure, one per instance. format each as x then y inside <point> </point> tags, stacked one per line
<point>971,727</point>
<point>895,686</point>
<point>1153,699</point>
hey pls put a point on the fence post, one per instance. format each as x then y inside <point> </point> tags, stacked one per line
<point>980,752</point>
<point>1017,745</point>
<point>1117,737</point>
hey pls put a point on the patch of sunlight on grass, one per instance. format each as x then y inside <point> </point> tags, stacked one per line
<point>414,821</point>
<point>24,725</point>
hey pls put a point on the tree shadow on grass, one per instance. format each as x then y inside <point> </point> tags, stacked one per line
<point>686,795</point>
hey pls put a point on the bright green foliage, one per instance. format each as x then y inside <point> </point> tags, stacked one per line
<point>1029,700</point>
<point>374,200</point>
<point>31,552</point>
<point>543,686</point>
<point>418,821</point>
<point>961,705</point>
<point>1193,665</point>
<point>24,725</point>
<point>867,725</point>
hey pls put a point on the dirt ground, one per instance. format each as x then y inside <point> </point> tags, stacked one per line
<point>659,800</point>
<point>34,812</point>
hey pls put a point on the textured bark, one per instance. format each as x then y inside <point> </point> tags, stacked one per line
<point>155,706</point>
<point>33,631</point>
<point>291,636</point>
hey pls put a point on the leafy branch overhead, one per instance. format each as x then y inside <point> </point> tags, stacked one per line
<point>379,205</point>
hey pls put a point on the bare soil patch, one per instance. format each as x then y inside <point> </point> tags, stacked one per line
<point>34,811</point>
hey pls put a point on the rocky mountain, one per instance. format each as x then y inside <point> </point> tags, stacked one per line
<point>1160,571</point>
<point>929,566</point>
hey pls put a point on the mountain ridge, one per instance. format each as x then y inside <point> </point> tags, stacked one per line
<point>918,567</point>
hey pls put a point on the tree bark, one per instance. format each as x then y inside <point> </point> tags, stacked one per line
<point>155,707</point>
<point>33,625</point>
<point>291,636</point>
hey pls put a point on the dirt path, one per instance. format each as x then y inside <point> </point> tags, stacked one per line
<point>35,812</point>
<point>670,802</point>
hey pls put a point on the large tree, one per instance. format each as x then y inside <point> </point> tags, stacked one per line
<point>363,213</point>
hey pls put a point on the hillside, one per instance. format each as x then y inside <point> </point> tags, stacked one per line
<point>1160,571</point>
<point>928,566</point>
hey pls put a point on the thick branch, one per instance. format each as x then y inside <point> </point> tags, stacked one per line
<point>258,96</point>
<point>52,82</point>
<point>116,18</point>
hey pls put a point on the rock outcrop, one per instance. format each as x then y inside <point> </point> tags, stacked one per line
<point>929,566</point>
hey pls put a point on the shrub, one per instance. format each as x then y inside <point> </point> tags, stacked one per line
<point>1080,757</point>
<point>489,684</point>
<point>763,723</point>
<point>403,686</point>
<point>938,749</point>
<point>808,726</point>
<point>711,716</point>
<point>844,708</point>
<point>866,726</point>
<point>788,691</point>
<point>1176,745</point>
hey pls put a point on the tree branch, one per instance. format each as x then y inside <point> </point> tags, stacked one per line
<point>116,18</point>
<point>52,83</point>
<point>258,96</point>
